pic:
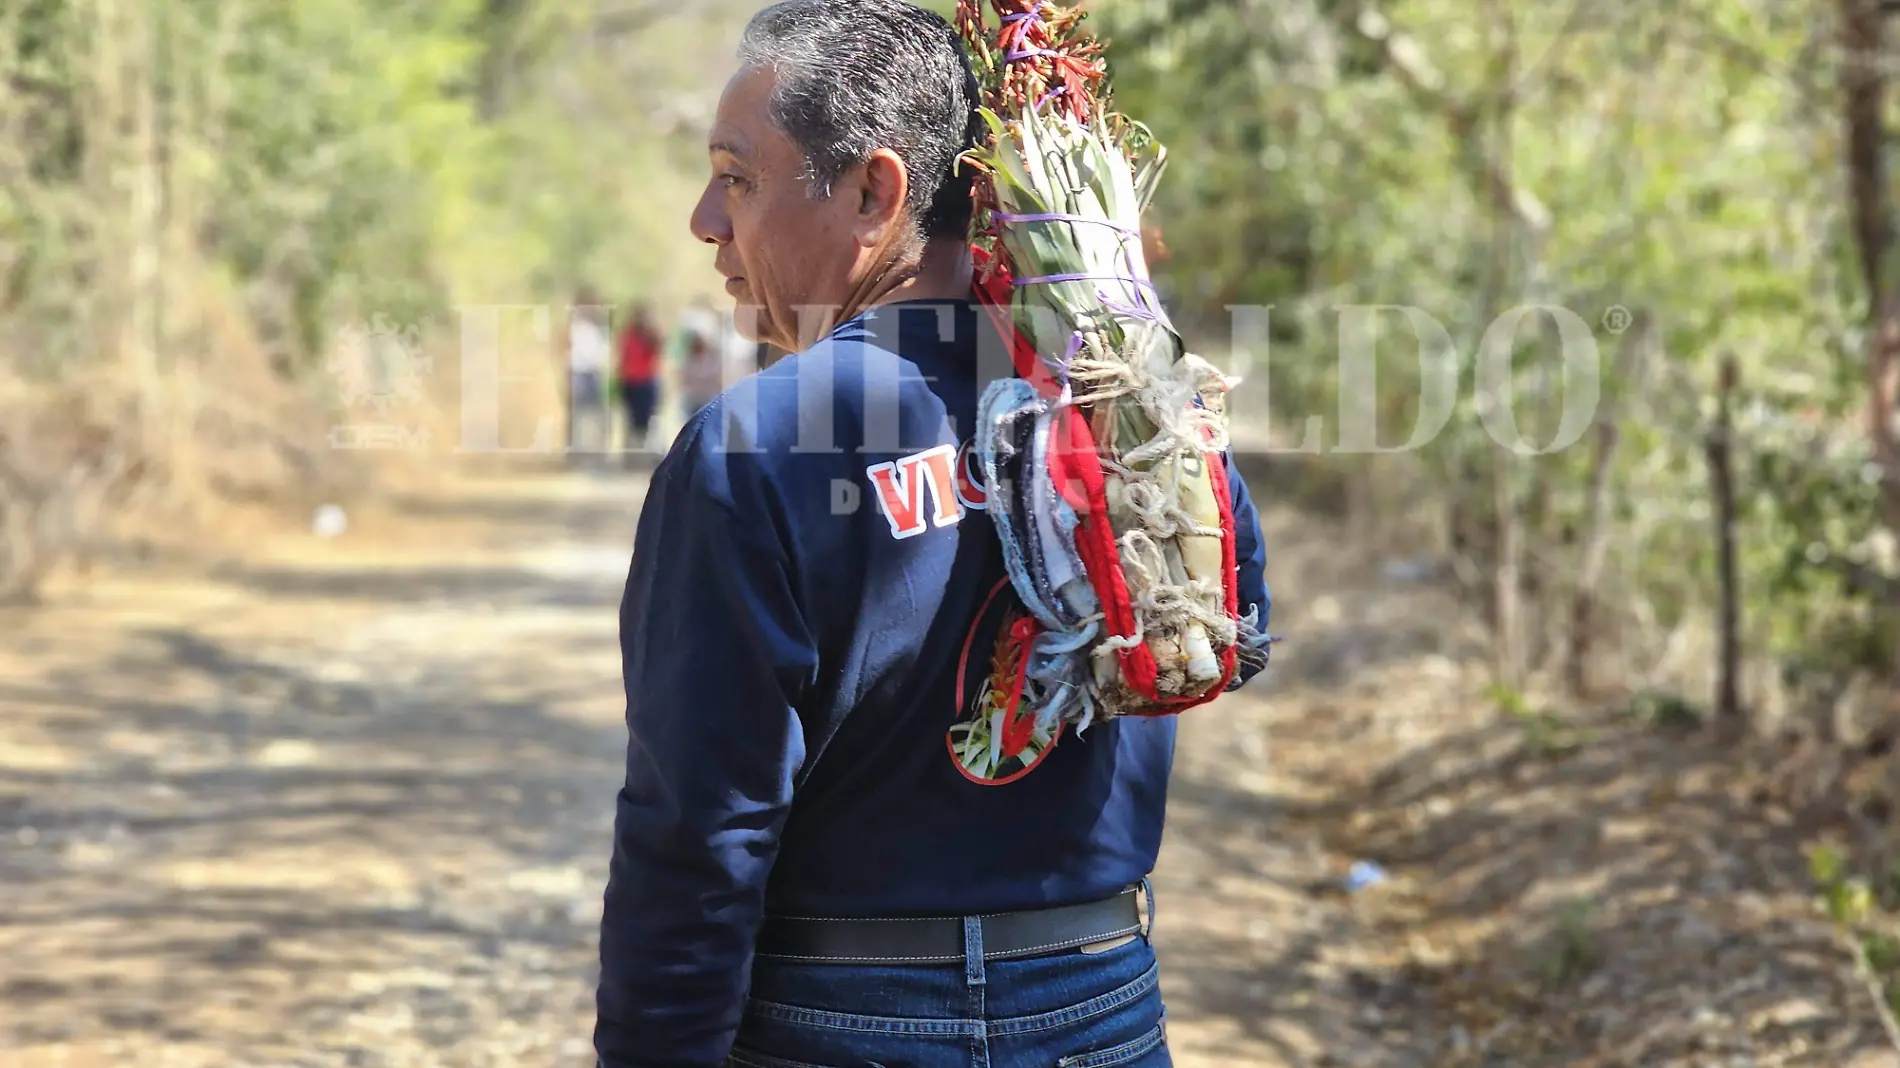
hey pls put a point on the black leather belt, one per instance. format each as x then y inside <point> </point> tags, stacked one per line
<point>939,940</point>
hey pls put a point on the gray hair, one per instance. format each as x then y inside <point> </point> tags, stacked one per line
<point>855,76</point>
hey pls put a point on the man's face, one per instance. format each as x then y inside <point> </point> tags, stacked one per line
<point>782,252</point>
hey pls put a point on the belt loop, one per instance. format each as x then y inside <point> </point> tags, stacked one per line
<point>973,950</point>
<point>1148,897</point>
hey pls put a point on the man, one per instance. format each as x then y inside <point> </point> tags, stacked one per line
<point>803,872</point>
<point>589,350</point>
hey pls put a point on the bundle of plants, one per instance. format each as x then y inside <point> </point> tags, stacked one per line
<point>1103,457</point>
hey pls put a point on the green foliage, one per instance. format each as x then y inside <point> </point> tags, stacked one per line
<point>365,146</point>
<point>1861,918</point>
<point>1663,711</point>
<point>334,160</point>
<point>1546,734</point>
<point>1675,159</point>
<point>1574,952</point>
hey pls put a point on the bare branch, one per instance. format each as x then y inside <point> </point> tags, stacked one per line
<point>1410,65</point>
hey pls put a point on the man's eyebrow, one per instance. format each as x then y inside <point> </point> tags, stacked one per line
<point>727,147</point>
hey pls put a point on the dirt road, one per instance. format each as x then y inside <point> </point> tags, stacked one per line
<point>348,803</point>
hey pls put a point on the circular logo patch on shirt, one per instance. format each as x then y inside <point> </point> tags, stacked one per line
<point>995,740</point>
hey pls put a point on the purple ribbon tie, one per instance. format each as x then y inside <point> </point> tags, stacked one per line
<point>1056,216</point>
<point>1017,55</point>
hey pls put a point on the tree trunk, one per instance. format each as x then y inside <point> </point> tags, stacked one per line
<point>1863,89</point>
<point>1631,364</point>
<point>1507,578</point>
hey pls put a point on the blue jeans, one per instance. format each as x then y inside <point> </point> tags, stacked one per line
<point>1067,1010</point>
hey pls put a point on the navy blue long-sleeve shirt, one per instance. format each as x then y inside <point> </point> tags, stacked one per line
<point>814,601</point>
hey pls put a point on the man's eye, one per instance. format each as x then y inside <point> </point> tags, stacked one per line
<point>730,181</point>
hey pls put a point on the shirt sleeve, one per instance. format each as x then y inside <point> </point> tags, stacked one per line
<point>1250,556</point>
<point>715,654</point>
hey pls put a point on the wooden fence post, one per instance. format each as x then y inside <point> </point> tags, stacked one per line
<point>1720,445</point>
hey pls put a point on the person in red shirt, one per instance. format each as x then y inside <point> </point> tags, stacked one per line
<point>638,375</point>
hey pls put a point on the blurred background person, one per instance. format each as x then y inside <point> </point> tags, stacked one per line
<point>738,354</point>
<point>638,375</point>
<point>589,351</point>
<point>764,354</point>
<point>699,353</point>
<point>701,374</point>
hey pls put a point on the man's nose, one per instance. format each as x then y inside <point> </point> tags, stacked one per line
<point>709,222</point>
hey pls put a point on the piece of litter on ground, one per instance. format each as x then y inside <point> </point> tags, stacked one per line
<point>287,753</point>
<point>1410,571</point>
<point>1253,746</point>
<point>329,521</point>
<point>1362,874</point>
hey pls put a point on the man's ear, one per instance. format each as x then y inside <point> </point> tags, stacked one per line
<point>883,186</point>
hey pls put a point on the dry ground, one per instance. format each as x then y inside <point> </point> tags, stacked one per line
<point>348,803</point>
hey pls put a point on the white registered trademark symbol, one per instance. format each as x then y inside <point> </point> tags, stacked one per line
<point>1617,319</point>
